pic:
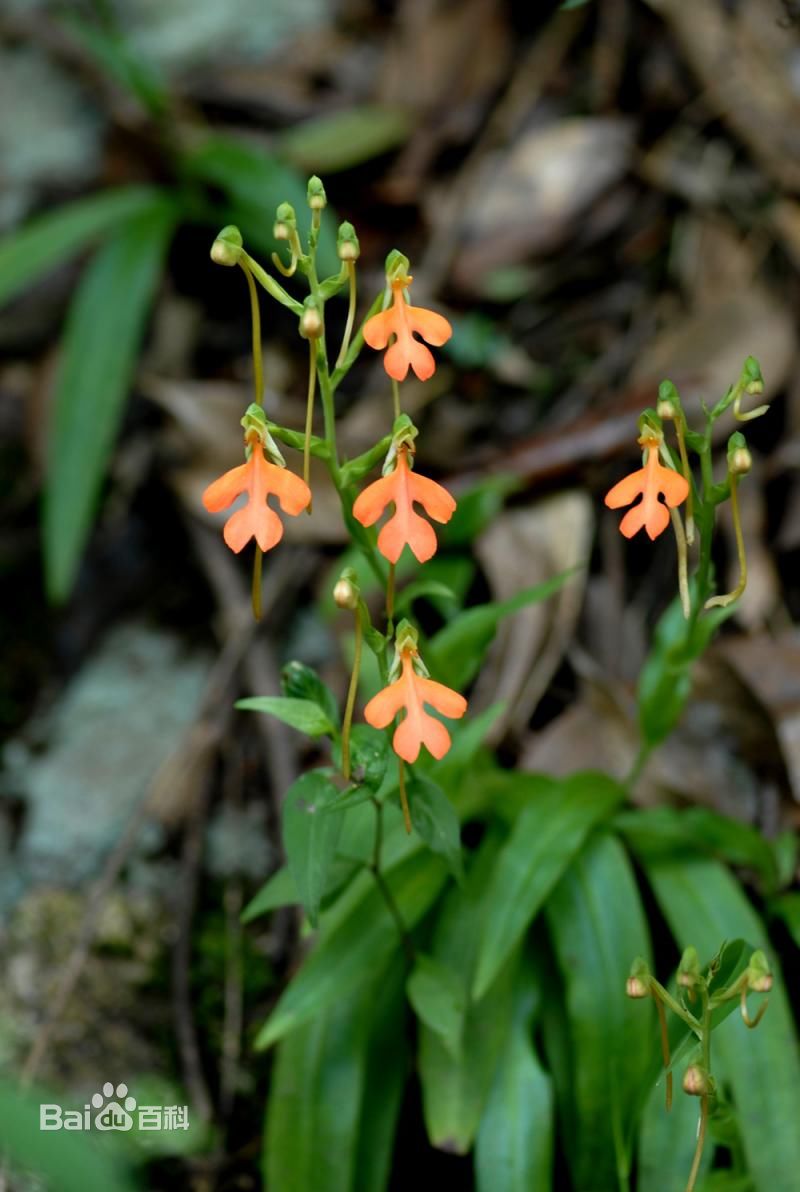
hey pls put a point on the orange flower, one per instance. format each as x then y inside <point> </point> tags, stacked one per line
<point>402,320</point>
<point>650,480</point>
<point>405,527</point>
<point>411,692</point>
<point>258,478</point>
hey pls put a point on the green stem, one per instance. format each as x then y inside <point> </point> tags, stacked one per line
<point>380,881</point>
<point>351,696</point>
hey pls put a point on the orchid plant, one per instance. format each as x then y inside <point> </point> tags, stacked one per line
<point>453,992</point>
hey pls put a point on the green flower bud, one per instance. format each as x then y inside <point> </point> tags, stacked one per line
<point>347,245</point>
<point>638,983</point>
<point>740,461</point>
<point>311,319</point>
<point>227,248</point>
<point>317,199</point>
<point>689,974</point>
<point>754,382</point>
<point>285,222</point>
<point>759,977</point>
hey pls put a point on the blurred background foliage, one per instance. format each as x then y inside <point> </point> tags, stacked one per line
<point>598,196</point>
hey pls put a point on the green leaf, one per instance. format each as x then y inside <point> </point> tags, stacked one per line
<point>301,714</point>
<point>361,942</point>
<point>703,905</point>
<point>99,351</point>
<point>28,253</point>
<point>455,1088</point>
<point>456,652</point>
<point>299,681</point>
<point>310,837</point>
<point>370,754</point>
<point>339,140</point>
<point>388,1063</point>
<point>597,925</point>
<point>71,1161</point>
<point>279,890</point>
<point>671,833</point>
<point>256,183</point>
<point>666,677</point>
<point>439,1000</point>
<point>514,1147</point>
<point>318,1088</point>
<point>667,1141</point>
<point>435,818</point>
<point>429,589</point>
<point>544,840</point>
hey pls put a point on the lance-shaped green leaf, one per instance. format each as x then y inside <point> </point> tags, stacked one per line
<point>323,1082</point>
<point>435,818</point>
<point>48,240</point>
<point>455,1087</point>
<point>361,942</point>
<point>704,905</point>
<point>597,924</point>
<point>545,838</point>
<point>388,1065</point>
<point>302,714</point>
<point>101,342</point>
<point>455,653</point>
<point>310,836</point>
<point>439,999</point>
<point>514,1148</point>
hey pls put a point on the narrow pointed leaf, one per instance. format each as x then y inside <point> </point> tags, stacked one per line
<point>597,925</point>
<point>101,342</point>
<point>48,240</point>
<point>514,1147</point>
<point>310,836</point>
<point>544,840</point>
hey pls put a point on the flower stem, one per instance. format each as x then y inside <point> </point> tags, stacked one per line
<point>390,594</point>
<point>312,386</point>
<point>698,1150</point>
<point>401,780</point>
<point>396,397</point>
<point>351,697</point>
<point>380,881</point>
<point>258,393</point>
<point>724,601</point>
<point>351,315</point>
<point>662,1022</point>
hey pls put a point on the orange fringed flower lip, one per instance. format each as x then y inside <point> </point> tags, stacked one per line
<point>651,480</point>
<point>405,527</point>
<point>417,728</point>
<point>402,320</point>
<point>258,478</point>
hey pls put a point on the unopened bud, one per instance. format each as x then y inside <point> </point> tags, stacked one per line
<point>754,382</point>
<point>697,1082</point>
<point>689,968</point>
<point>666,410</point>
<point>347,245</point>
<point>345,594</point>
<point>317,199</point>
<point>638,983</point>
<point>741,462</point>
<point>759,977</point>
<point>227,248</point>
<point>310,319</point>
<point>285,222</point>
